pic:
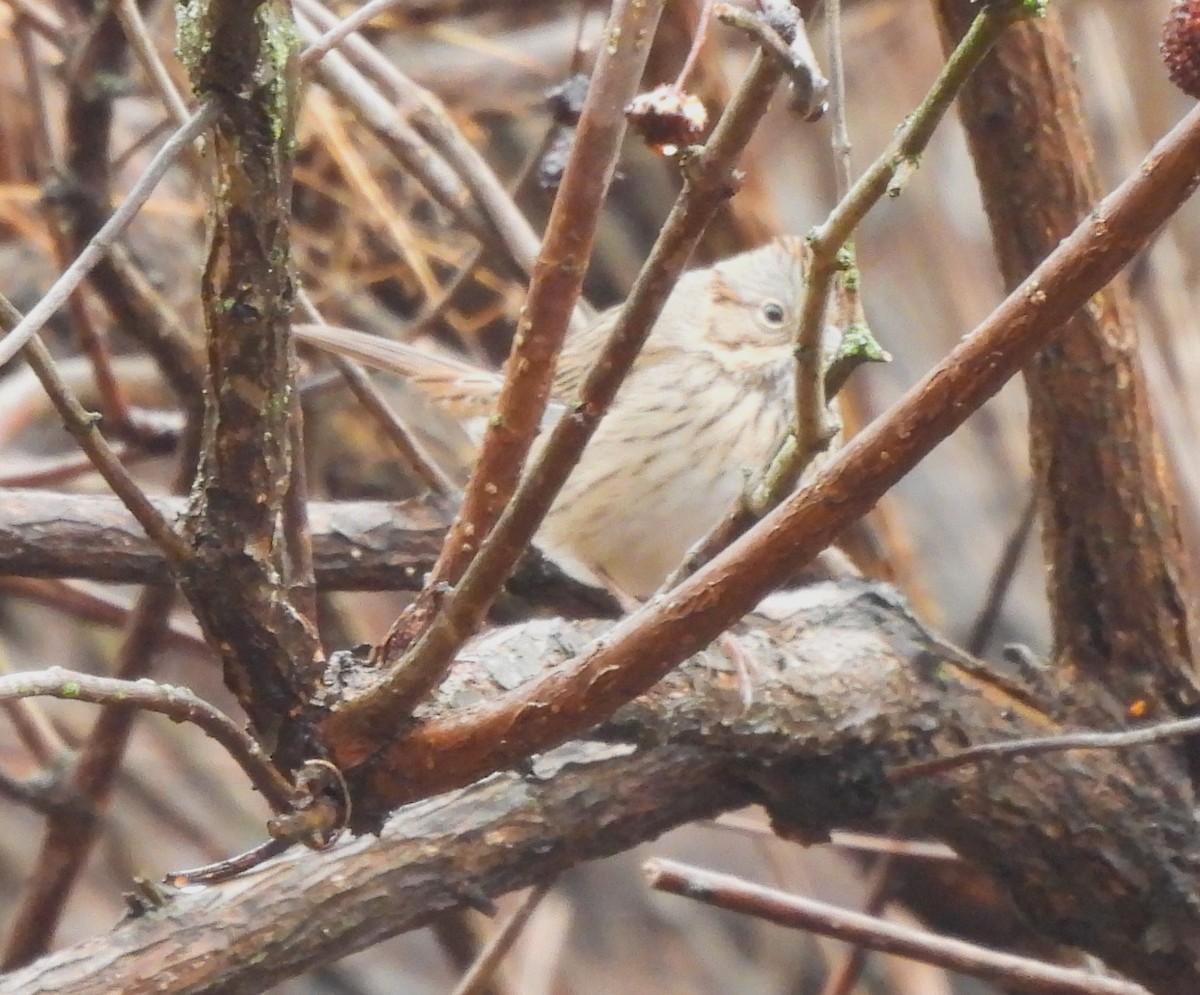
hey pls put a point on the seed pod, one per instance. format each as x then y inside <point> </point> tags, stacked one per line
<point>1180,45</point>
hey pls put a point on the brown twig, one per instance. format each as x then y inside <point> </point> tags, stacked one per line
<point>41,794</point>
<point>710,183</point>
<point>479,975</point>
<point>230,867</point>
<point>703,20</point>
<point>558,278</point>
<point>82,426</point>
<point>48,23</point>
<point>179,704</point>
<point>77,186</point>
<point>844,973</point>
<point>63,469</point>
<point>298,543</point>
<point>98,606</point>
<point>724,891</point>
<point>642,648</point>
<point>1002,578</point>
<point>867,843</point>
<point>102,241</point>
<point>34,730</point>
<point>42,152</point>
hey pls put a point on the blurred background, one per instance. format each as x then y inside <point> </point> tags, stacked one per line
<point>376,252</point>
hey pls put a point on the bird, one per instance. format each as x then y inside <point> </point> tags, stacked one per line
<point>707,403</point>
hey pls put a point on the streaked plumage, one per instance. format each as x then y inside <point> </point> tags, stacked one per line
<point>707,403</point>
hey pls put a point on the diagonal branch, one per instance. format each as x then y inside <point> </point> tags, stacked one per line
<point>1122,599</point>
<point>852,688</point>
<point>645,646</point>
<point>725,891</point>
<point>711,181</point>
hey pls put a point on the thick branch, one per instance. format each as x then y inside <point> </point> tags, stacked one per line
<point>852,687</point>
<point>710,182</point>
<point>357,546</point>
<point>1123,605</point>
<point>242,58</point>
<point>645,646</point>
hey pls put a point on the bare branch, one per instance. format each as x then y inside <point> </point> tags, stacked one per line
<point>645,646</point>
<point>710,183</point>
<point>725,891</point>
<point>102,241</point>
<point>82,426</point>
<point>178,704</point>
<point>246,581</point>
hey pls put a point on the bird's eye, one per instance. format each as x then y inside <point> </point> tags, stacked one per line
<point>773,313</point>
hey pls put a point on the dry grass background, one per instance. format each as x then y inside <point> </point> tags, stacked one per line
<point>373,251</point>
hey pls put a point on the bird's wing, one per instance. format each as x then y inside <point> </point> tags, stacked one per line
<point>579,353</point>
<point>463,390</point>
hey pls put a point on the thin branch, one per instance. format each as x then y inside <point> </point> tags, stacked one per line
<point>813,426</point>
<point>710,184</point>
<point>230,867</point>
<point>1002,578</point>
<point>839,131</point>
<point>41,794</point>
<point>540,332</point>
<point>179,704</point>
<point>724,891</point>
<point>99,244</point>
<point>98,606</point>
<point>844,973</point>
<point>82,426</point>
<point>34,730</point>
<point>636,654</point>
<point>48,23</point>
<point>479,975</point>
<point>31,68</point>
<point>410,450</point>
<point>63,469</point>
<point>703,20</point>
<point>1161,732</point>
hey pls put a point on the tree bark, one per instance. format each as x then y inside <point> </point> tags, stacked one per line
<point>1123,603</point>
<point>1096,847</point>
